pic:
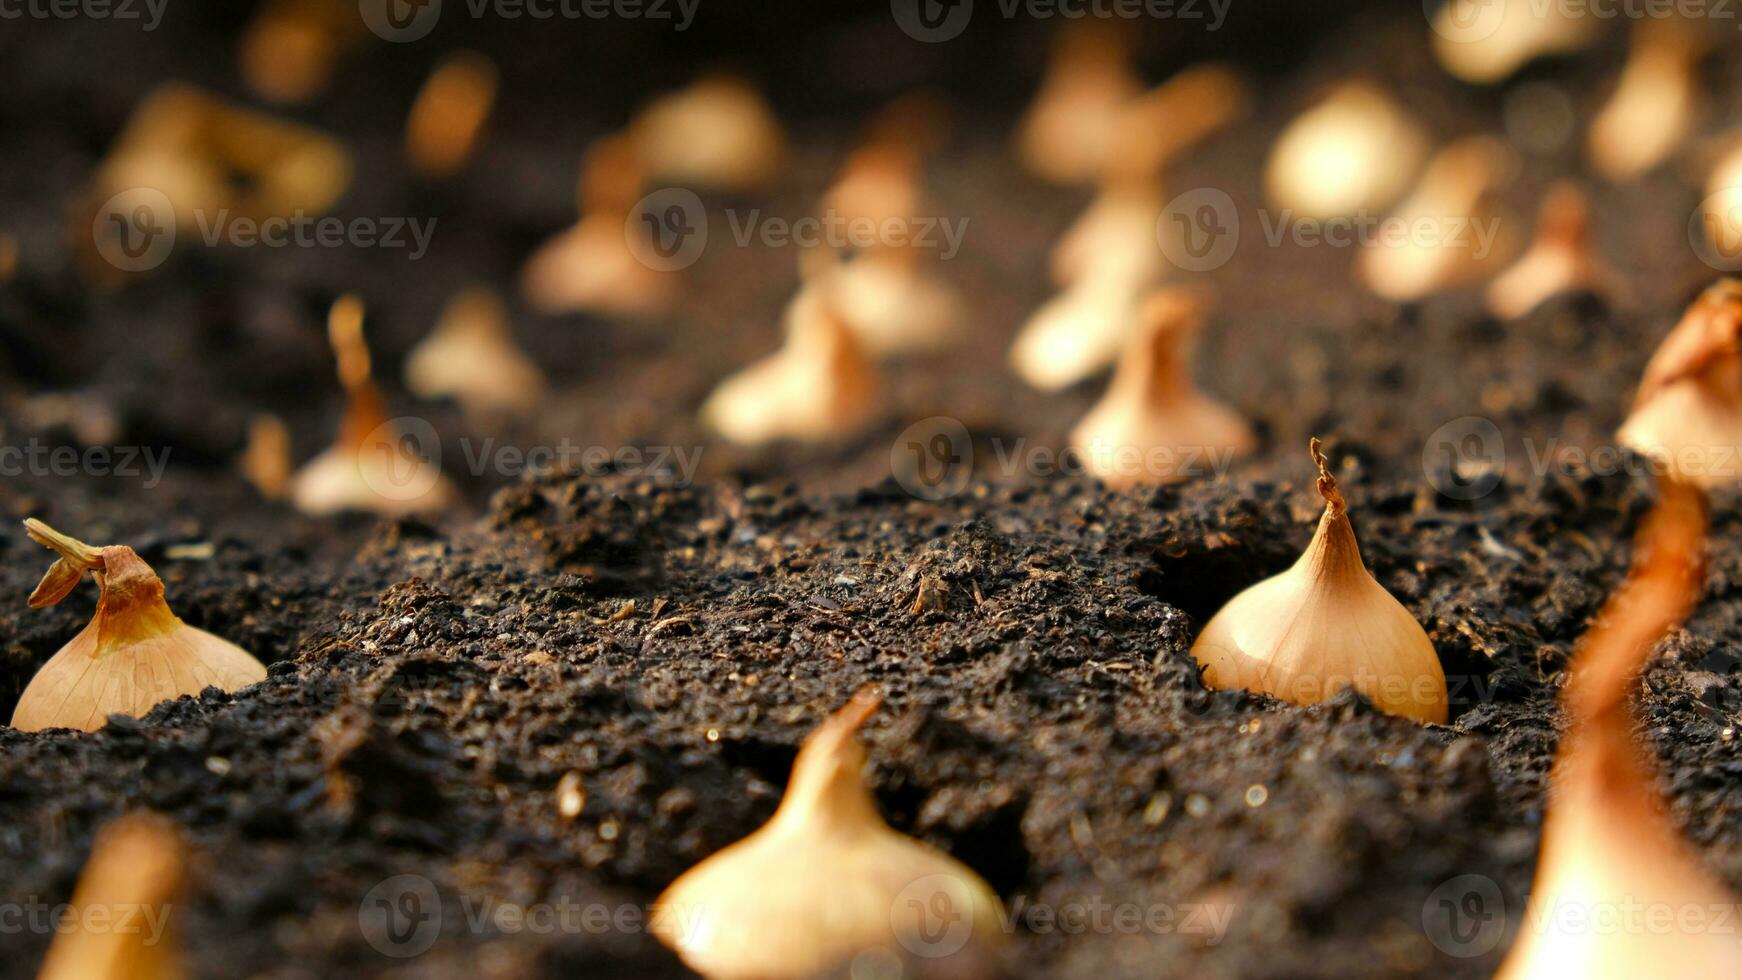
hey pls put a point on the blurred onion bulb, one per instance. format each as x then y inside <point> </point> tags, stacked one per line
<point>1114,237</point>
<point>718,132</point>
<point>448,117</point>
<point>134,653</point>
<point>1688,413</point>
<point>895,303</point>
<point>1558,262</point>
<point>471,357</point>
<point>1078,332</point>
<point>1354,152</point>
<point>1154,425</point>
<point>889,291</point>
<point>289,48</point>
<point>1652,107</point>
<point>371,467</point>
<point>133,878</point>
<point>1155,128</point>
<point>1484,41</point>
<point>824,881</point>
<point>265,460</point>
<point>208,156</point>
<point>1454,233</point>
<point>1721,213</point>
<point>1322,625</point>
<point>1606,845</point>
<point>819,387</point>
<point>602,263</point>
<point>1105,261</point>
<point>1068,134</point>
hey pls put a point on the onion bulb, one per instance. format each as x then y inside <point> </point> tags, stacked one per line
<point>1615,883</point>
<point>1688,414</point>
<point>471,357</point>
<point>118,923</point>
<point>1069,132</point>
<point>1353,153</point>
<point>134,653</point>
<point>718,132</point>
<point>1559,261</point>
<point>1652,107</point>
<point>1322,625</point>
<point>1154,425</point>
<point>370,467</point>
<point>826,880</point>
<point>820,387</point>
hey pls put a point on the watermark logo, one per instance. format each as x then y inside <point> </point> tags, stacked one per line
<point>1199,230</point>
<point>1465,21</point>
<point>1465,458</point>
<point>932,459</point>
<point>932,21</point>
<point>400,21</point>
<point>1465,916</point>
<point>401,459</point>
<point>668,229</point>
<point>134,231</point>
<point>933,916</point>
<point>1715,230</point>
<point>402,916</point>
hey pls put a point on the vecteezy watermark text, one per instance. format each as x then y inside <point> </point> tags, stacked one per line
<point>36,458</point>
<point>933,916</point>
<point>412,20</point>
<point>934,21</point>
<point>934,458</point>
<point>669,230</point>
<point>149,13</point>
<point>136,230</point>
<point>1466,459</point>
<point>833,230</point>
<point>143,919</point>
<point>678,463</point>
<point>1453,231</point>
<point>1199,230</point>
<point>409,438</point>
<point>303,230</point>
<point>1466,916</point>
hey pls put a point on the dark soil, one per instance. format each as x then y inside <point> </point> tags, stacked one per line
<point>431,683</point>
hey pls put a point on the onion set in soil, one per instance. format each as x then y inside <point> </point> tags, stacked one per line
<point>134,653</point>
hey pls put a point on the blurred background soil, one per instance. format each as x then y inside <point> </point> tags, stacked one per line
<point>432,681</point>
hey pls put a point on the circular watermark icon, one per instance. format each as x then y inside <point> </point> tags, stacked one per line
<point>932,459</point>
<point>400,20</point>
<point>1465,916</point>
<point>1199,230</point>
<point>401,459</point>
<point>1465,21</point>
<point>1715,230</point>
<point>1465,458</point>
<point>932,21</point>
<point>135,230</point>
<point>668,229</point>
<point>933,916</point>
<point>402,916</point>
